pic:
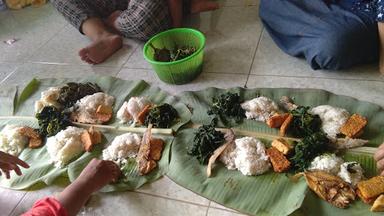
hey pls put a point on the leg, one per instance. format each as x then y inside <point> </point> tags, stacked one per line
<point>86,15</point>
<point>327,36</point>
<point>143,19</point>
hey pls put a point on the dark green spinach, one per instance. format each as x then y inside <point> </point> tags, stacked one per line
<point>162,116</point>
<point>227,106</point>
<point>51,121</point>
<point>303,123</point>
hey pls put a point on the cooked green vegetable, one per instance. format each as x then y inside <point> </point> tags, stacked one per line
<point>303,123</point>
<point>228,106</point>
<point>52,121</point>
<point>205,142</point>
<point>72,92</point>
<point>307,149</point>
<point>162,116</point>
<point>166,55</point>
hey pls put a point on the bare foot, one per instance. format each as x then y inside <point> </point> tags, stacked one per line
<point>101,49</point>
<point>198,6</point>
<point>98,173</point>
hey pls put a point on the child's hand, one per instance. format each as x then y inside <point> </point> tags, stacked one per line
<point>379,157</point>
<point>9,163</point>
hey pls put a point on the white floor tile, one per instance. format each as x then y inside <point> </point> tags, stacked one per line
<point>9,200</point>
<point>65,46</point>
<point>31,27</point>
<point>205,80</point>
<point>270,60</point>
<point>371,91</point>
<point>231,34</point>
<point>6,69</point>
<point>166,188</point>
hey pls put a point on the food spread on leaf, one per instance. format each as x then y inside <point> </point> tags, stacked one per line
<point>260,109</point>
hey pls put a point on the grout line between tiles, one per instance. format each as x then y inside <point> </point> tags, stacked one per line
<point>169,198</point>
<point>209,206</point>
<point>18,203</point>
<point>254,55</point>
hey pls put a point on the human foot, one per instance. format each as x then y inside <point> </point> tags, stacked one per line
<point>97,174</point>
<point>198,6</point>
<point>101,49</point>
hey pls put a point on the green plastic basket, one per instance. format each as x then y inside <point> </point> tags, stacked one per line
<point>181,71</point>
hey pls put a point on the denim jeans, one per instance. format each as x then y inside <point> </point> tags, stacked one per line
<point>329,36</point>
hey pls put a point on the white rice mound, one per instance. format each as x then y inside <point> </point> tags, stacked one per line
<point>122,147</point>
<point>11,141</point>
<point>65,146</point>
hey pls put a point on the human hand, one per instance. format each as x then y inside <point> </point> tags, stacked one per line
<point>9,162</point>
<point>98,173</point>
<point>379,157</point>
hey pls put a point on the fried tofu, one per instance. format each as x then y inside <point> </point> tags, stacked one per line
<point>279,162</point>
<point>35,141</point>
<point>277,120</point>
<point>370,189</point>
<point>104,113</point>
<point>378,205</point>
<point>285,125</point>
<point>282,145</point>
<point>354,126</point>
<point>90,138</point>
<point>156,149</point>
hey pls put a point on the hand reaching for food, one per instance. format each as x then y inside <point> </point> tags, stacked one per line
<point>9,162</point>
<point>379,157</point>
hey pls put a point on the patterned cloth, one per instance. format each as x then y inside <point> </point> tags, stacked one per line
<point>373,6</point>
<point>140,19</point>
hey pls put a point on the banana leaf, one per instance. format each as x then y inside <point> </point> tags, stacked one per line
<point>42,172</point>
<point>270,193</point>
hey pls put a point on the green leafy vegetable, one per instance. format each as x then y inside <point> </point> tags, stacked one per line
<point>304,123</point>
<point>52,121</point>
<point>166,55</point>
<point>228,106</point>
<point>161,116</point>
<point>72,92</point>
<point>205,142</point>
<point>307,149</point>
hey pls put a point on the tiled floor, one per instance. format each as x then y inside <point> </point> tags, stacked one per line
<point>239,53</point>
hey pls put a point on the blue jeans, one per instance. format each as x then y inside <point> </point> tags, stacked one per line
<point>328,36</point>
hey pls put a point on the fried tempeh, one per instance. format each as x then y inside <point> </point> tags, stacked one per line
<point>279,162</point>
<point>370,189</point>
<point>354,126</point>
<point>378,205</point>
<point>277,120</point>
<point>156,148</point>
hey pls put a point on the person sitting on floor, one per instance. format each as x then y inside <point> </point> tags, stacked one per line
<point>105,22</point>
<point>329,34</point>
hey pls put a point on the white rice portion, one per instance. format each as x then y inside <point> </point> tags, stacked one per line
<point>260,108</point>
<point>122,147</point>
<point>11,141</point>
<point>248,156</point>
<point>65,146</point>
<point>332,118</point>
